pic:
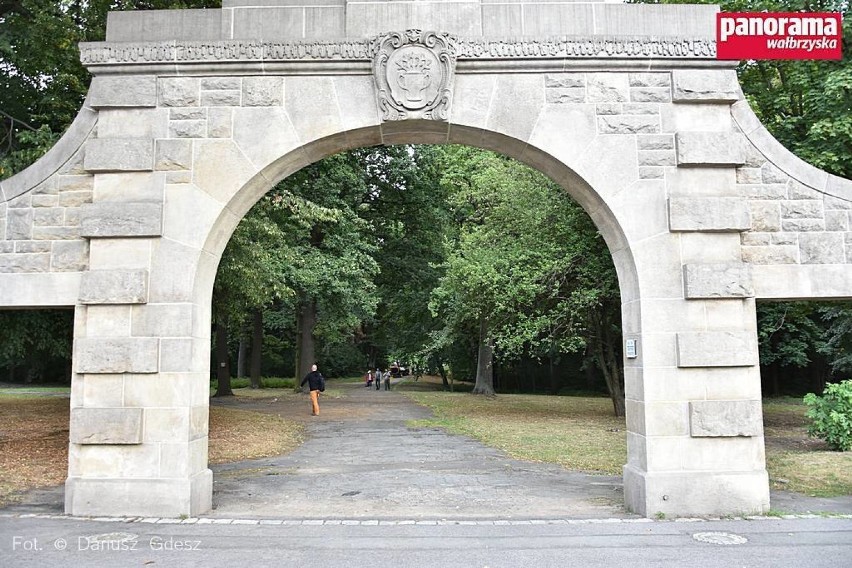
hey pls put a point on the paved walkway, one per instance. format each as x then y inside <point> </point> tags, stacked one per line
<point>361,461</point>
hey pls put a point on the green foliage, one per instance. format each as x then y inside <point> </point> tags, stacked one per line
<point>38,341</point>
<point>267,382</point>
<point>831,415</point>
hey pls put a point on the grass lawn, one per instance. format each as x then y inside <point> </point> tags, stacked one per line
<point>580,433</point>
<point>34,439</point>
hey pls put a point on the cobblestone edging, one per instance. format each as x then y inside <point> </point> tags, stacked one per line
<point>401,522</point>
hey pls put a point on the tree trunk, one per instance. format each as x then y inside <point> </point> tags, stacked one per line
<point>611,367</point>
<point>223,365</point>
<point>241,358</point>
<point>256,349</point>
<point>305,345</point>
<point>484,361</point>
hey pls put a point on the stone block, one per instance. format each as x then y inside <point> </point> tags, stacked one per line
<point>74,198</point>
<point>705,86</point>
<point>651,172</point>
<point>565,95</point>
<point>179,92</point>
<point>119,154</point>
<point>565,80</point>
<point>718,281</point>
<point>121,220</point>
<point>716,349</point>
<point>797,190</point>
<point>655,142</point>
<point>173,155</point>
<point>776,254</point>
<point>188,113</point>
<point>129,187</point>
<point>107,321</point>
<point>263,91</point>
<point>836,221</point>
<point>53,217</point>
<point>712,214</point>
<point>749,176</point>
<point>710,149</point>
<point>725,418</point>
<point>162,320</point>
<point>765,216</point>
<point>650,95</point>
<point>764,191</point>
<point>649,79</point>
<point>656,158</point>
<point>187,128</point>
<point>821,248</point>
<point>116,355</point>
<point>220,84</point>
<point>21,262</point>
<point>220,98</point>
<point>32,246</point>
<point>19,224</point>
<point>106,426</point>
<point>71,256</point>
<point>772,174</point>
<point>805,209</point>
<point>114,287</point>
<point>133,123</point>
<point>640,108</point>
<point>607,87</point>
<point>608,108</point>
<point>123,91</point>
<point>219,123</point>
<point>803,225</point>
<point>629,124</point>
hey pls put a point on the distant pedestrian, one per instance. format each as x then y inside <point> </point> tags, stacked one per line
<point>378,379</point>
<point>387,380</point>
<point>369,378</point>
<point>316,384</point>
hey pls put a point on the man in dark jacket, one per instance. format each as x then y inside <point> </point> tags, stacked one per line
<point>316,384</point>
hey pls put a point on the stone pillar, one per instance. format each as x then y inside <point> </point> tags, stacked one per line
<point>140,390</point>
<point>695,428</point>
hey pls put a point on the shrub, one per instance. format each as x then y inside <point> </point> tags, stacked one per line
<point>831,415</point>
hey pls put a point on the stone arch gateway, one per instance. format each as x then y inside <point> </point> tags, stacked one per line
<point>193,115</point>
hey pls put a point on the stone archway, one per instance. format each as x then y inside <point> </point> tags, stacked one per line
<point>193,115</point>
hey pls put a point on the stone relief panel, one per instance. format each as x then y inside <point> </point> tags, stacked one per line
<point>414,74</point>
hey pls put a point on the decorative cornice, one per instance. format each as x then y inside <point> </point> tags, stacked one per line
<point>103,55</point>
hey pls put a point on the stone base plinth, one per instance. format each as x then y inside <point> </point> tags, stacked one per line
<point>139,497</point>
<point>695,493</point>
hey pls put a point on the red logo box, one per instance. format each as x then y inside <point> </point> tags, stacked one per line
<point>789,35</point>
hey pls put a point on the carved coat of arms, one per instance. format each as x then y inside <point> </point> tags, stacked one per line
<point>414,74</point>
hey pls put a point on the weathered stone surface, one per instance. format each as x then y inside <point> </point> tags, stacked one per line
<point>19,224</point>
<point>32,246</point>
<point>716,349</point>
<point>655,142</point>
<point>116,355</point>
<point>718,214</point>
<point>775,254</point>
<point>628,124</point>
<point>20,262</point>
<point>803,225</point>
<point>119,154</point>
<point>220,83</point>
<point>565,95</point>
<point>651,172</point>
<point>263,91</point>
<point>796,190</point>
<point>640,108</point>
<point>565,80</point>
<point>219,123</point>
<point>106,426</point>
<point>656,158</point>
<point>836,221</point>
<point>821,248</point>
<point>123,91</point>
<point>53,217</point>
<point>179,92</point>
<point>70,256</point>
<point>121,220</point>
<point>650,95</point>
<point>187,128</point>
<point>220,98</point>
<point>718,281</point>
<point>705,86</point>
<point>765,215</point>
<point>710,149</point>
<point>114,287</point>
<point>649,79</point>
<point>607,87</point>
<point>749,175</point>
<point>173,155</point>
<point>725,418</point>
<point>801,210</point>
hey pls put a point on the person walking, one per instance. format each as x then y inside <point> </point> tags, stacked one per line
<point>316,385</point>
<point>378,379</point>
<point>387,380</point>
